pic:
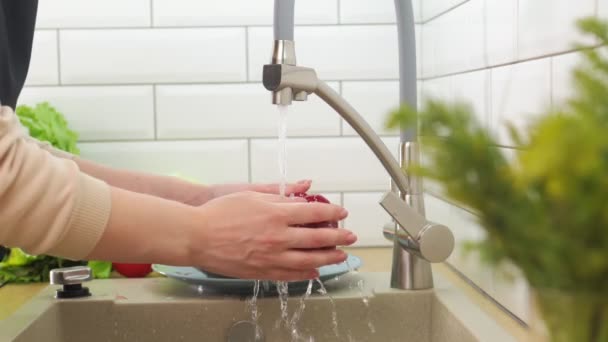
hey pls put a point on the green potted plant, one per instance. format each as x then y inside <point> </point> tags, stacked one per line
<point>44,123</point>
<point>546,209</point>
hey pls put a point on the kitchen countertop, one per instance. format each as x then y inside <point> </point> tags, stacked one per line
<point>378,259</point>
<point>13,296</point>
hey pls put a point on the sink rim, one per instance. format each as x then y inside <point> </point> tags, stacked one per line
<point>461,310</point>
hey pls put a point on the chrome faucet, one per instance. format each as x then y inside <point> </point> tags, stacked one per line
<point>417,242</point>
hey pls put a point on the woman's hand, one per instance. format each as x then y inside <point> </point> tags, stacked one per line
<point>201,194</point>
<point>249,235</point>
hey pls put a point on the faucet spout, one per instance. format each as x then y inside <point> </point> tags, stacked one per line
<point>424,241</point>
<point>356,121</point>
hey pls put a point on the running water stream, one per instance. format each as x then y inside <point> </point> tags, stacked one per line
<point>281,286</point>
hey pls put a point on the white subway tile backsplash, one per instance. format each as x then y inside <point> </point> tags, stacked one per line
<point>548,26</point>
<point>334,164</point>
<point>501,31</point>
<point>432,8</point>
<point>92,13</point>
<point>419,54</point>
<point>602,9</point>
<point>100,113</point>
<point>374,101</point>
<point>44,68</point>
<point>238,12</point>
<point>366,218</point>
<point>465,229</point>
<point>210,111</point>
<point>437,89</point>
<point>429,48</point>
<point>455,42</point>
<point>153,56</point>
<point>367,11</point>
<point>438,211</point>
<point>336,52</point>
<point>209,162</point>
<point>473,88</point>
<point>562,80</point>
<point>417,7</point>
<point>519,93</point>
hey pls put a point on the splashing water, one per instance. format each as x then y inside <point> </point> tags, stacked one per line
<point>365,298</point>
<point>334,314</point>
<point>293,324</point>
<point>253,305</point>
<point>282,287</point>
<point>283,290</point>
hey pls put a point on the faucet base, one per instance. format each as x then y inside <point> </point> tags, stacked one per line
<point>410,272</point>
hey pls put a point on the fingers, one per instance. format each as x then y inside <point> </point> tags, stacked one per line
<point>303,213</point>
<point>278,198</point>
<point>301,186</point>
<point>306,260</point>
<point>314,238</point>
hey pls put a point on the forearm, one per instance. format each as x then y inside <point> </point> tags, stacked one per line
<point>47,206</point>
<point>146,229</point>
<point>166,187</point>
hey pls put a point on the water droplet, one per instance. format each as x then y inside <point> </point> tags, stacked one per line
<point>334,313</point>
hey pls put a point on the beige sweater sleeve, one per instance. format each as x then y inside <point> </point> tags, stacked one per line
<point>47,206</point>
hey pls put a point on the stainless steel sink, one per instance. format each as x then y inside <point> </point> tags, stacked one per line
<point>162,309</point>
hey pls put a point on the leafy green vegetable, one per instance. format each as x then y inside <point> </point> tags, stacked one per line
<point>100,269</point>
<point>20,267</point>
<point>544,210</point>
<point>45,123</point>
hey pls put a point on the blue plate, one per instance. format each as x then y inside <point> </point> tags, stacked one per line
<point>212,282</point>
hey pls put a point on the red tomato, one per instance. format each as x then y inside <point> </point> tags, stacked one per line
<point>133,270</point>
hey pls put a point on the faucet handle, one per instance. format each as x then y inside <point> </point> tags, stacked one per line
<point>71,278</point>
<point>432,241</point>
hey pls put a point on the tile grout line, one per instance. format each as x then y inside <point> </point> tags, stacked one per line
<point>58,34</point>
<point>235,26</point>
<point>203,83</point>
<point>243,138</point>
<point>495,66</point>
<point>516,38</point>
<point>151,13</point>
<point>489,102</point>
<point>442,13</point>
<point>265,137</point>
<point>247,76</point>
<point>484,18</point>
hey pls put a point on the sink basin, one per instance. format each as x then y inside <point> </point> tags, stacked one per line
<point>161,309</point>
